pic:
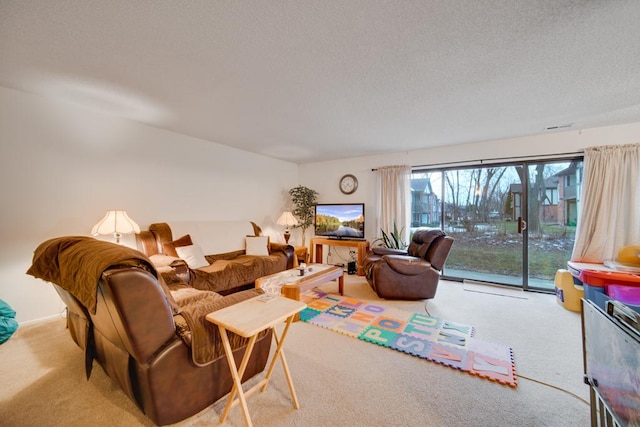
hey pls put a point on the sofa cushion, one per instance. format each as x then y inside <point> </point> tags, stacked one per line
<point>193,256</point>
<point>169,248</point>
<point>257,245</point>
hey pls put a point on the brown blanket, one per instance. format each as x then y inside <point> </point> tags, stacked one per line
<point>71,263</point>
<point>202,335</point>
<point>235,269</point>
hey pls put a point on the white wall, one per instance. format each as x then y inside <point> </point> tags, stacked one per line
<point>324,176</point>
<point>63,166</point>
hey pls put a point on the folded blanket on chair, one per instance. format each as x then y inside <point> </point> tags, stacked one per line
<point>71,263</point>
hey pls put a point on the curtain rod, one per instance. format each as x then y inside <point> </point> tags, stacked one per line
<point>481,161</point>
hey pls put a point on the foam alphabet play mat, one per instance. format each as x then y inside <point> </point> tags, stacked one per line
<point>437,340</point>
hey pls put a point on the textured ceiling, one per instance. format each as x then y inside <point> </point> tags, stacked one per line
<point>306,80</point>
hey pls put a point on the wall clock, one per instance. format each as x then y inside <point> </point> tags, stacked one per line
<point>348,184</point>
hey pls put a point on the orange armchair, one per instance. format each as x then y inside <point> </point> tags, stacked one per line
<point>412,274</point>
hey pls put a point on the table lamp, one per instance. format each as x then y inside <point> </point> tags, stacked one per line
<point>287,219</point>
<point>116,223</point>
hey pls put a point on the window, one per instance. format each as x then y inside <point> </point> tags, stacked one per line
<point>513,223</point>
<point>551,198</point>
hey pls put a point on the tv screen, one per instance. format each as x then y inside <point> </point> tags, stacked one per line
<point>341,220</point>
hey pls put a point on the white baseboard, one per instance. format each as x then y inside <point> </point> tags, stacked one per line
<point>41,320</point>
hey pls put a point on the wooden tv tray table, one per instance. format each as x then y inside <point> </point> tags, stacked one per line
<point>247,319</point>
<point>290,284</point>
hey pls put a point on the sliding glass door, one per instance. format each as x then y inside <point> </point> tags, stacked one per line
<point>513,223</point>
<point>552,213</point>
<point>481,215</point>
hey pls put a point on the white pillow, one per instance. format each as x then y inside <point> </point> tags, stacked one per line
<point>192,255</point>
<point>159,260</point>
<point>257,245</point>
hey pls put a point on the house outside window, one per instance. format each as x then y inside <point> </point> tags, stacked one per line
<point>426,205</point>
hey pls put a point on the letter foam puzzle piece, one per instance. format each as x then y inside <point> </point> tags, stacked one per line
<point>320,305</point>
<point>493,350</point>
<point>426,321</point>
<point>312,295</point>
<point>353,303</point>
<point>364,316</point>
<point>340,310</point>
<point>411,345</point>
<point>452,339</point>
<point>419,331</point>
<point>324,320</point>
<point>465,330</point>
<point>389,323</point>
<point>378,336</point>
<point>374,309</point>
<point>308,314</point>
<point>449,356</point>
<point>350,327</point>
<point>493,369</point>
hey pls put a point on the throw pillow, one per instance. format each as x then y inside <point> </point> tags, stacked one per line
<point>169,248</point>
<point>257,245</point>
<point>193,256</point>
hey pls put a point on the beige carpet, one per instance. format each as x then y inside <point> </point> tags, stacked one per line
<point>340,381</point>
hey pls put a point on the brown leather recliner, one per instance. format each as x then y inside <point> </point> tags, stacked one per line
<point>133,332</point>
<point>412,274</point>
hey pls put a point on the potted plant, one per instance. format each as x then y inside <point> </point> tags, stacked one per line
<point>304,200</point>
<point>392,239</point>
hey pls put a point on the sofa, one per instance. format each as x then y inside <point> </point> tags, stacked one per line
<point>150,337</point>
<point>410,274</point>
<point>224,273</point>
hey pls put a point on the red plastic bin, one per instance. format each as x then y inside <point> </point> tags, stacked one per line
<point>601,279</point>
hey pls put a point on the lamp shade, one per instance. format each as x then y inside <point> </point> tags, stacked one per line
<point>287,219</point>
<point>115,222</point>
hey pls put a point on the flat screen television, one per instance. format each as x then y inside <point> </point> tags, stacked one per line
<point>340,220</point>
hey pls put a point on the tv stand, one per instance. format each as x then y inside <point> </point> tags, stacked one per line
<point>317,243</point>
<point>345,238</point>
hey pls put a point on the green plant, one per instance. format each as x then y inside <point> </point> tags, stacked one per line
<point>304,200</point>
<point>392,239</point>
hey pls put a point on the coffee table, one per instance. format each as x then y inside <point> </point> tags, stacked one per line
<point>290,284</point>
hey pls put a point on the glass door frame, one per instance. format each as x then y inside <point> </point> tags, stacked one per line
<point>524,204</point>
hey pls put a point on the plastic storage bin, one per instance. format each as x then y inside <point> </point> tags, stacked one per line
<point>601,286</point>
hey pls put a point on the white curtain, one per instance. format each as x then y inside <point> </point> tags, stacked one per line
<point>609,211</point>
<point>394,199</point>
